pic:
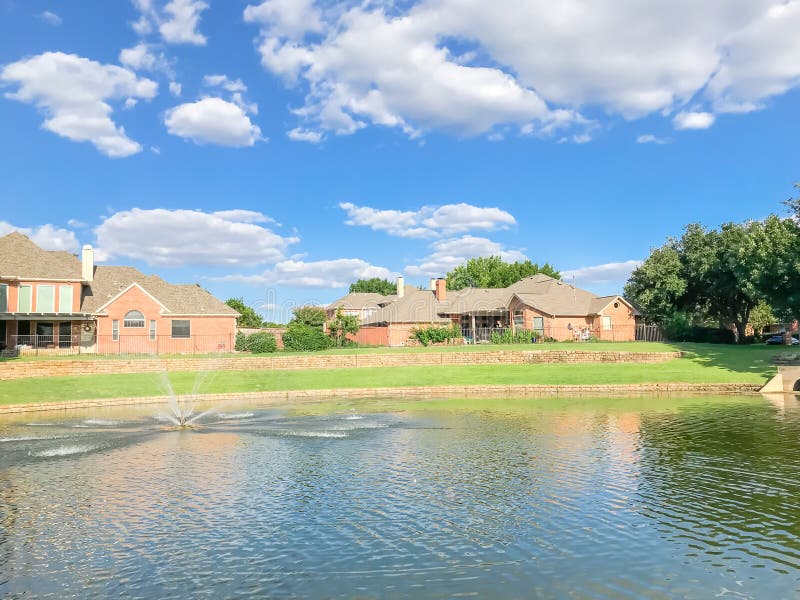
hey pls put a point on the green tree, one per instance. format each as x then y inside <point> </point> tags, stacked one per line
<point>719,274</point>
<point>761,316</point>
<point>657,286</point>
<point>494,272</point>
<point>793,204</point>
<point>342,325</point>
<point>375,285</point>
<point>248,317</point>
<point>312,316</point>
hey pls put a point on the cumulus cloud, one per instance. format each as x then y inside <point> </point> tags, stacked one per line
<point>175,88</point>
<point>173,238</point>
<point>693,120</point>
<point>336,273</point>
<point>50,18</point>
<point>213,121</point>
<point>45,236</point>
<point>470,67</point>
<point>449,253</point>
<point>74,93</point>
<point>429,220</point>
<point>613,274</point>
<point>177,21</point>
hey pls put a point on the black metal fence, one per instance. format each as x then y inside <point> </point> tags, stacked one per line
<point>69,345</point>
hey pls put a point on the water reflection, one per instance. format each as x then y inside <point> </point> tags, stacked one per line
<point>626,498</point>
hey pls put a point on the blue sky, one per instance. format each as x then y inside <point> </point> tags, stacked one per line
<point>278,150</point>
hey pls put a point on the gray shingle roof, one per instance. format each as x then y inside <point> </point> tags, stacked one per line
<point>416,306</point>
<point>20,257</point>
<point>358,300</point>
<point>186,299</point>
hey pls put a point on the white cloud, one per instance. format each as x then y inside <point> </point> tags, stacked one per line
<point>336,273</point>
<point>448,254</point>
<point>304,135</point>
<point>175,88</point>
<point>73,92</point>
<point>429,221</point>
<point>471,66</point>
<point>50,18</point>
<point>372,68</point>
<point>212,121</point>
<point>609,274</point>
<point>45,236</point>
<point>693,120</point>
<point>177,21</point>
<point>172,238</point>
<point>649,138</point>
<point>145,57</point>
<point>227,84</point>
<point>290,18</point>
<point>762,60</point>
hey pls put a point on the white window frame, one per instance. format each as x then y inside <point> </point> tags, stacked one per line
<point>607,324</point>
<point>133,323</point>
<point>151,333</point>
<point>114,330</point>
<point>30,298</point>
<point>180,337</point>
<point>533,324</point>
<point>61,296</point>
<point>39,289</point>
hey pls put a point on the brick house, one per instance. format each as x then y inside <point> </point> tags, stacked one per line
<point>53,302</point>
<point>539,303</point>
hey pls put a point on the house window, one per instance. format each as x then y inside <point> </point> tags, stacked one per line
<point>152,330</point>
<point>607,323</point>
<point>538,323</point>
<point>25,298</point>
<point>519,319</point>
<point>134,320</point>
<point>181,328</point>
<point>114,330</point>
<point>65,299</point>
<point>3,298</point>
<point>46,299</point>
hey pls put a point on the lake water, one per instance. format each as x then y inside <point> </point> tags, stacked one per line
<point>568,498</point>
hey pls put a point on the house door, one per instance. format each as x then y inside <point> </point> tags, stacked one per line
<point>3,340</point>
<point>44,335</point>
<point>64,335</point>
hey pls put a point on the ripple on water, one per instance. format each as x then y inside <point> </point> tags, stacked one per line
<point>68,450</point>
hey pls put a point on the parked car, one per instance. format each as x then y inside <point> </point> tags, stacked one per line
<point>778,340</point>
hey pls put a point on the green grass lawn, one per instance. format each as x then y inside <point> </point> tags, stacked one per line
<point>703,363</point>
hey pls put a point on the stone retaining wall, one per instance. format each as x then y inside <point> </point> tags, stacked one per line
<point>418,392</point>
<point>91,366</point>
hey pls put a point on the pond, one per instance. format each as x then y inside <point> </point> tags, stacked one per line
<point>581,498</point>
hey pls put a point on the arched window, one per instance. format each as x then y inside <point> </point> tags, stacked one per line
<point>134,319</point>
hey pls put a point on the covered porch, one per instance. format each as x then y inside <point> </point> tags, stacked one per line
<point>47,333</point>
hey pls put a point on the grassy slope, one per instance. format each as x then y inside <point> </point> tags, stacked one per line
<point>703,364</point>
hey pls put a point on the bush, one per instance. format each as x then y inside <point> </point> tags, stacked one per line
<point>261,343</point>
<point>435,335</point>
<point>241,341</point>
<point>304,338</point>
<point>509,336</point>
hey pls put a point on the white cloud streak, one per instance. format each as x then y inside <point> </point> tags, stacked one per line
<point>429,221</point>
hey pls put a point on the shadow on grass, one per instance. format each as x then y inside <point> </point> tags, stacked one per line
<point>757,359</point>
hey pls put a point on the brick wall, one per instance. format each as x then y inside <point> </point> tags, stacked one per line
<point>55,368</point>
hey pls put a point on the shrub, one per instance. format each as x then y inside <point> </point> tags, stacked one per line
<point>435,335</point>
<point>305,338</point>
<point>261,343</point>
<point>508,336</point>
<point>241,341</point>
<point>313,316</point>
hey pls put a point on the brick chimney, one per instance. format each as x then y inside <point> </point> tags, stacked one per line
<point>401,287</point>
<point>87,264</point>
<point>441,290</point>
